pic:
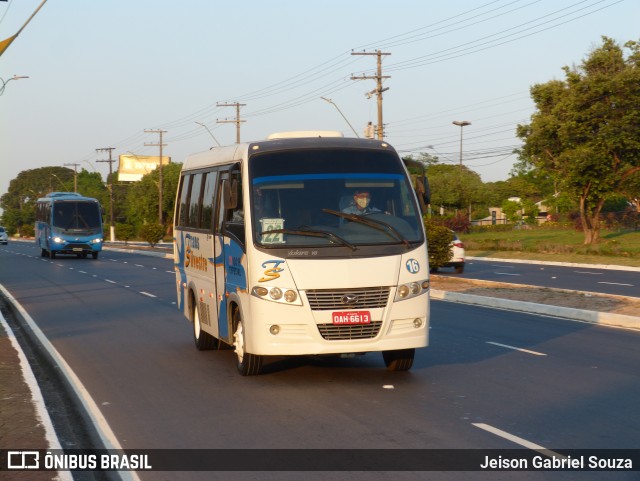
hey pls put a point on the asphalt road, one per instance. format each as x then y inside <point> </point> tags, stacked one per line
<point>589,279</point>
<point>487,375</point>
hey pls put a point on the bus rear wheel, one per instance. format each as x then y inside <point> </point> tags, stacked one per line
<point>203,340</point>
<point>248,364</point>
<point>399,360</point>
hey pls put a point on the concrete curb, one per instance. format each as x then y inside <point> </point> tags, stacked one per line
<point>554,263</point>
<point>162,255</point>
<point>593,317</point>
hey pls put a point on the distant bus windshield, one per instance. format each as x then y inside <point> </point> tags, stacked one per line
<point>73,215</point>
<point>329,198</point>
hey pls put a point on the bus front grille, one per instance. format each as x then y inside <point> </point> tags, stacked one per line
<point>331,332</point>
<point>357,298</point>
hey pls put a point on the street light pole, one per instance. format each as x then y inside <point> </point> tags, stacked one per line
<point>461,124</point>
<point>15,77</point>
<point>338,108</point>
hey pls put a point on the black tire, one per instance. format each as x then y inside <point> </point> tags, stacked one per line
<point>203,340</point>
<point>52,254</point>
<point>399,360</point>
<point>459,269</point>
<point>43,253</point>
<point>93,254</point>
<point>248,364</point>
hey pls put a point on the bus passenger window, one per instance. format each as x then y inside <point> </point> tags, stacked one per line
<point>207,199</point>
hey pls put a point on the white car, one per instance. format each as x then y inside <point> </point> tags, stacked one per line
<point>457,255</point>
<point>4,237</point>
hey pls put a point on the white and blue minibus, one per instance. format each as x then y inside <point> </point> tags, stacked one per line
<point>276,253</point>
<point>68,223</point>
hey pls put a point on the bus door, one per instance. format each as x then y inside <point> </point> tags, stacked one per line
<point>230,262</point>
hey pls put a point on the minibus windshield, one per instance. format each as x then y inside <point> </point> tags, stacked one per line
<point>332,198</point>
<point>76,215</point>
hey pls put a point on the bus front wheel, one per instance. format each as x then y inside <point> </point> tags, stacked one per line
<point>248,364</point>
<point>399,360</point>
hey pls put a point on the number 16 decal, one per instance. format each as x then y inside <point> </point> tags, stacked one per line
<point>413,266</point>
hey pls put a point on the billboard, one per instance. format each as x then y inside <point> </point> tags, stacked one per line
<point>133,167</point>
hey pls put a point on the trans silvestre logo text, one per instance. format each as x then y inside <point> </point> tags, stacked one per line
<point>191,259</point>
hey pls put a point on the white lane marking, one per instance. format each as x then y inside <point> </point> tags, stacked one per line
<point>535,353</point>
<point>110,281</point>
<point>518,440</point>
<point>138,265</point>
<point>147,294</point>
<point>590,273</point>
<point>506,274</point>
<point>616,284</point>
<point>82,272</point>
<point>170,272</point>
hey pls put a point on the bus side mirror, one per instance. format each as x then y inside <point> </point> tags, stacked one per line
<point>230,192</point>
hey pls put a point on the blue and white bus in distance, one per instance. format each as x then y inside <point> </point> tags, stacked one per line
<point>68,223</point>
<point>303,244</point>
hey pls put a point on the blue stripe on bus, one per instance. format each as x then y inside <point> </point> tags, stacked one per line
<point>293,178</point>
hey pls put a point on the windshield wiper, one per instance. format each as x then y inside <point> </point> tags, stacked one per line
<point>373,223</point>
<point>312,233</point>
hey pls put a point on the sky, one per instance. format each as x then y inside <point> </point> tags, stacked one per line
<point>101,73</point>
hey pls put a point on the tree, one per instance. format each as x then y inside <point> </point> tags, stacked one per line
<point>19,202</point>
<point>142,196</point>
<point>454,186</point>
<point>584,133</point>
<point>512,210</point>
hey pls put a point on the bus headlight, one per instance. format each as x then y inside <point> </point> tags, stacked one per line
<point>290,296</point>
<point>96,241</point>
<point>277,294</point>
<point>58,240</point>
<point>412,289</point>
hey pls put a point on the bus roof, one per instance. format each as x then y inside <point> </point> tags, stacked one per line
<point>235,153</point>
<point>55,196</point>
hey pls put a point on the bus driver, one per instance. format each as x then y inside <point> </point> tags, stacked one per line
<point>361,204</point>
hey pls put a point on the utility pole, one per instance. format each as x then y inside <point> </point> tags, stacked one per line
<point>237,121</point>
<point>159,144</point>
<point>75,175</point>
<point>378,90</point>
<point>112,230</point>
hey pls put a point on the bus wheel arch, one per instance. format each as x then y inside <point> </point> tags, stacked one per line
<point>248,364</point>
